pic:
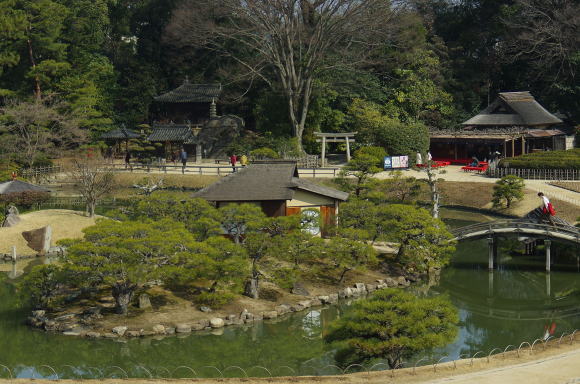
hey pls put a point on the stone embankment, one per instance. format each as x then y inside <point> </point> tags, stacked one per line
<point>83,323</point>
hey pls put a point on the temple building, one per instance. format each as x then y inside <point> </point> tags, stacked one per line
<point>187,117</point>
<point>514,124</point>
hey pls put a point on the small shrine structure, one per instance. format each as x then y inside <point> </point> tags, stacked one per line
<point>187,117</point>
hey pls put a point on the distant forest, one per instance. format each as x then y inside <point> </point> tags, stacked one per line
<point>291,67</point>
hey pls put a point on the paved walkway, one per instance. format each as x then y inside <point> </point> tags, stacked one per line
<point>454,173</point>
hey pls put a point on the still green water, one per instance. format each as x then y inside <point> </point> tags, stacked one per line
<point>513,304</point>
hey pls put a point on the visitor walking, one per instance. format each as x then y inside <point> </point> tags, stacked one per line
<point>183,158</point>
<point>548,211</point>
<point>244,160</point>
<point>128,161</point>
<point>419,159</point>
<point>233,161</point>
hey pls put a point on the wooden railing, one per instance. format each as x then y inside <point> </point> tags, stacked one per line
<point>518,226</point>
<point>536,174</point>
<point>209,170</point>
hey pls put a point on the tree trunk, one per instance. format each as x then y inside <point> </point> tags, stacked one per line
<point>123,293</point>
<point>435,201</point>
<point>252,288</point>
<point>343,274</point>
<point>37,92</point>
<point>91,207</point>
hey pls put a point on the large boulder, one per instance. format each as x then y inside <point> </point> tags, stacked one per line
<point>270,315</point>
<point>144,301</point>
<point>216,322</point>
<point>39,239</point>
<point>183,328</point>
<point>120,330</point>
<point>300,289</point>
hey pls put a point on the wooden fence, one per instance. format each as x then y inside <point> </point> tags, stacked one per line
<point>536,174</point>
<point>209,170</point>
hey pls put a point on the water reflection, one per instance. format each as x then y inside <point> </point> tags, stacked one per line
<point>517,302</point>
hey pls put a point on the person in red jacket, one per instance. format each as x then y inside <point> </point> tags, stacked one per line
<point>548,210</point>
<point>233,161</point>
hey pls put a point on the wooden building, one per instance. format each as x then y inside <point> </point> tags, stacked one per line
<point>514,124</point>
<point>117,137</point>
<point>277,189</point>
<point>187,117</point>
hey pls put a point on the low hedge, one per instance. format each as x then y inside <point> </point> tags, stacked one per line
<point>545,160</point>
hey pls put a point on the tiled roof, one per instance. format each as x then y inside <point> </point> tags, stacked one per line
<point>191,93</point>
<point>120,133</point>
<point>172,132</point>
<point>514,108</point>
<point>17,186</point>
<point>319,189</point>
<point>264,181</point>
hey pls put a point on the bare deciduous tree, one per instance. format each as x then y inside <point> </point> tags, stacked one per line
<point>547,34</point>
<point>286,43</point>
<point>36,127</point>
<point>93,180</point>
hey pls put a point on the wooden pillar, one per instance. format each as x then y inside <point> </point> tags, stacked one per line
<point>548,285</point>
<point>198,153</point>
<point>523,145</point>
<point>548,244</point>
<point>347,149</point>
<point>505,149</point>
<point>513,147</point>
<point>491,251</point>
<point>323,160</point>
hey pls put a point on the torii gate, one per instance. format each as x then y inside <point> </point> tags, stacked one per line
<point>347,138</point>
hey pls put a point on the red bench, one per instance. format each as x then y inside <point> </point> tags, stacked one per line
<point>481,167</point>
<point>435,164</point>
<point>454,161</point>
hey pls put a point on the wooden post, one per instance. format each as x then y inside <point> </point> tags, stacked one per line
<point>491,255</point>
<point>523,145</point>
<point>347,149</point>
<point>505,149</point>
<point>513,147</point>
<point>548,284</point>
<point>198,156</point>
<point>548,244</point>
<point>14,253</point>
<point>323,161</point>
<point>490,283</point>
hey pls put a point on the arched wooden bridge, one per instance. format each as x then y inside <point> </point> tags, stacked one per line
<point>520,227</point>
<point>528,228</point>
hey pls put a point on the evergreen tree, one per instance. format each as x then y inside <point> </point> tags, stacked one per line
<point>393,325</point>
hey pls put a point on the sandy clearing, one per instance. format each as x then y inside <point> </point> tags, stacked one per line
<point>65,225</point>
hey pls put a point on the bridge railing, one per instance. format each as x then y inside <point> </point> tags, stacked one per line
<point>517,226</point>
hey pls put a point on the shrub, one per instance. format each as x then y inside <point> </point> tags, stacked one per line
<point>25,199</point>
<point>378,152</point>
<point>569,159</point>
<point>507,190</point>
<point>213,299</point>
<point>264,153</point>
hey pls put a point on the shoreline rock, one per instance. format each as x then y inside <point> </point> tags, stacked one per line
<point>79,324</point>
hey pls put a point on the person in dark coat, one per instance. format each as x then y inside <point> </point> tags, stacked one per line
<point>183,158</point>
<point>128,160</point>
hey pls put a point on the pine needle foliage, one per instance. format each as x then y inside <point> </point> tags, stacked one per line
<point>392,325</point>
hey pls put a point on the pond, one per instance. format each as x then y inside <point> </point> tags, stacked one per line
<point>515,303</point>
